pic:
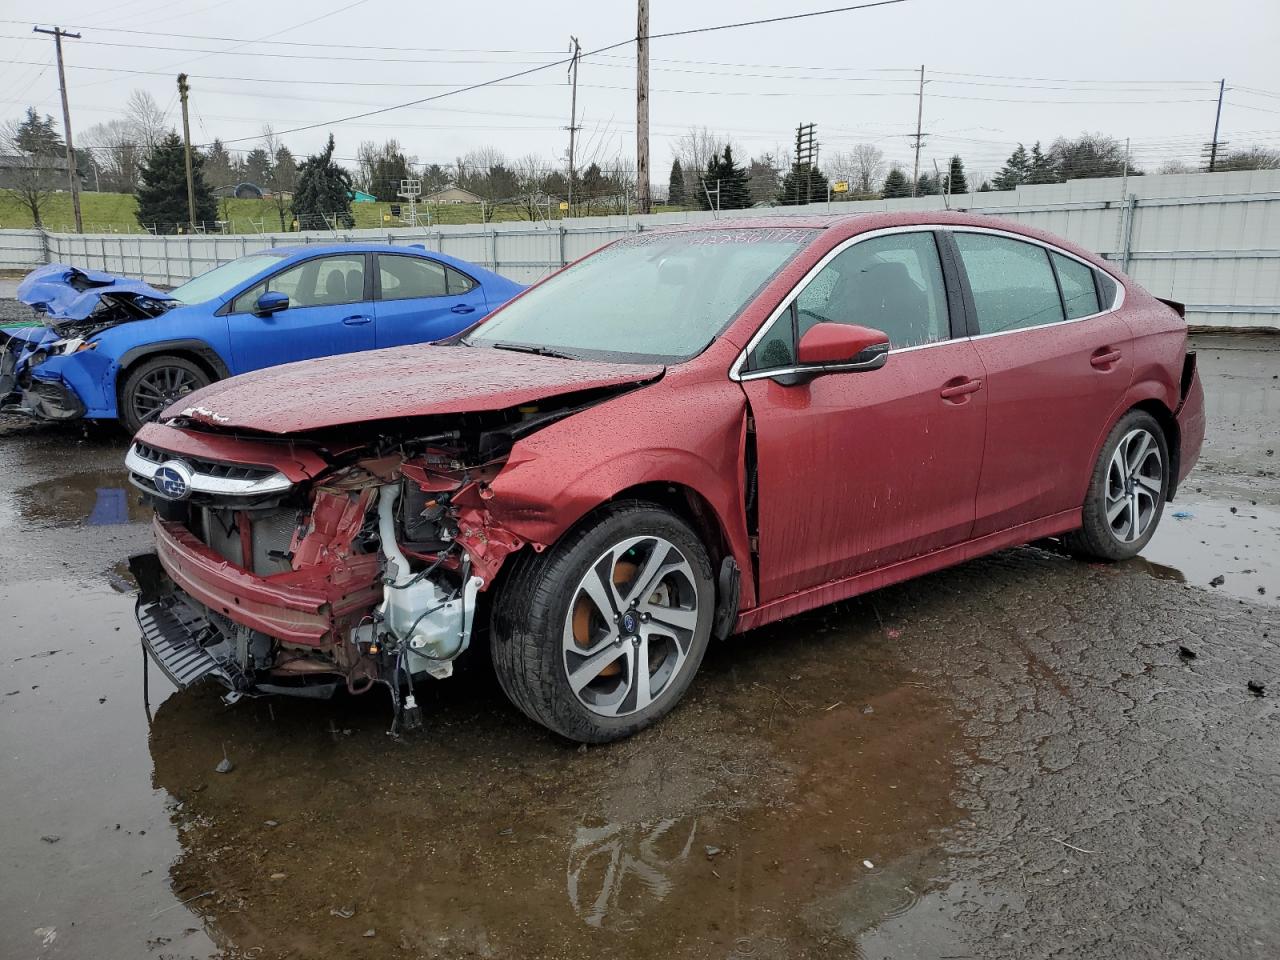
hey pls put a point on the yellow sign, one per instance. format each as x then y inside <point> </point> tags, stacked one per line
<point>386,218</point>
<point>840,186</point>
<point>564,205</point>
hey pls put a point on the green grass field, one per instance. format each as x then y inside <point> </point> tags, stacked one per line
<point>115,213</point>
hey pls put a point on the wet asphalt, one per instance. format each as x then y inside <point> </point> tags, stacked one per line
<point>1023,757</point>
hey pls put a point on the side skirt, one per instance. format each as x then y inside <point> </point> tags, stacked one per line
<point>870,580</point>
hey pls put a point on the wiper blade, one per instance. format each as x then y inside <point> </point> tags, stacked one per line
<point>534,348</point>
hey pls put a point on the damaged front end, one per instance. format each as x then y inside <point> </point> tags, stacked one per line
<point>310,567</point>
<point>72,306</point>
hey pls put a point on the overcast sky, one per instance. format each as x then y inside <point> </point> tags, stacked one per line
<point>996,73</point>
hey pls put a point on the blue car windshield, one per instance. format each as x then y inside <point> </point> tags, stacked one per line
<point>652,297</point>
<point>225,278</point>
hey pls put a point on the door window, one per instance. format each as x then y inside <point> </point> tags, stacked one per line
<point>322,282</point>
<point>1012,282</point>
<point>459,283</point>
<point>408,278</point>
<point>1079,295</point>
<point>892,283</point>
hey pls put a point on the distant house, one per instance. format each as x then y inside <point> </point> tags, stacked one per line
<point>12,167</point>
<point>452,195</point>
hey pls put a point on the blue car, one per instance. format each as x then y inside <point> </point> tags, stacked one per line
<point>118,348</point>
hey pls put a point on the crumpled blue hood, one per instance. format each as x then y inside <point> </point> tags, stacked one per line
<point>69,293</point>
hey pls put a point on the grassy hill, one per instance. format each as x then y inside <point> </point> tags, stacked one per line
<point>115,213</point>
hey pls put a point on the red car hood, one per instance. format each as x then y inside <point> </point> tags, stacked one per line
<point>415,381</point>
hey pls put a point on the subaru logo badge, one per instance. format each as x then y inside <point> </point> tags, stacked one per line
<point>630,622</point>
<point>173,480</point>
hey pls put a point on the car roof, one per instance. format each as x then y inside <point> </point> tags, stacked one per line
<point>373,246</point>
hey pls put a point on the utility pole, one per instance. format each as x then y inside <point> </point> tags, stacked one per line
<point>1213,146</point>
<point>642,106</point>
<point>915,176</point>
<point>186,143</point>
<point>58,33</point>
<point>573,111</point>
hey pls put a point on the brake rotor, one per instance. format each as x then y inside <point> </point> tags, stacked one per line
<point>623,571</point>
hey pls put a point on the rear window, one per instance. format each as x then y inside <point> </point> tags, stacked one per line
<point>1013,283</point>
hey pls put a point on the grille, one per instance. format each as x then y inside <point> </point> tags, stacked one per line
<point>271,532</point>
<point>210,468</point>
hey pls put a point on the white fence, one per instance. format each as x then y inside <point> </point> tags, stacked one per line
<point>1211,241</point>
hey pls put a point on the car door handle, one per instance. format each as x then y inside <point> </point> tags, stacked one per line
<point>962,389</point>
<point>1105,357</point>
<point>357,319</point>
<point>463,308</point>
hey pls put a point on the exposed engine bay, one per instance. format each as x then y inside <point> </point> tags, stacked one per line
<point>366,572</point>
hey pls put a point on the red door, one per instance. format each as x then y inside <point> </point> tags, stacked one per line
<point>858,470</point>
<point>1056,367</point>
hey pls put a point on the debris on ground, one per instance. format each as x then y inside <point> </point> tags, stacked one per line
<point>51,838</point>
<point>712,851</point>
<point>1257,689</point>
<point>1182,514</point>
<point>371,932</point>
<point>346,913</point>
<point>279,876</point>
<point>224,766</point>
<point>868,864</point>
<point>1218,581</point>
<point>1186,653</point>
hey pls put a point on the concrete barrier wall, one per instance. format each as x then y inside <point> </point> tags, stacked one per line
<point>1211,241</point>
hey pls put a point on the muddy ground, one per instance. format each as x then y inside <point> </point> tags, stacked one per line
<point>1008,759</point>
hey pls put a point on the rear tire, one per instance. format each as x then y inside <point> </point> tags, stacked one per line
<point>154,384</point>
<point>600,635</point>
<point>1126,491</point>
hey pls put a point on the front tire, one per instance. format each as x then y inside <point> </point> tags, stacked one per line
<point>1126,492</point>
<point>154,384</point>
<point>601,635</point>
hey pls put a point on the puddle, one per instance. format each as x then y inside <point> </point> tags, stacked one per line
<point>1201,539</point>
<point>759,820</point>
<point>95,498</point>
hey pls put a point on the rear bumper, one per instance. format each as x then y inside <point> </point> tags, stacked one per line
<point>1191,424</point>
<point>310,607</point>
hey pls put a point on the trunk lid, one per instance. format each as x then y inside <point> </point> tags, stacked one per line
<point>414,381</point>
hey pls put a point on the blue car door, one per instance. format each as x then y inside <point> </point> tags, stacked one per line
<point>419,300</point>
<point>330,311</point>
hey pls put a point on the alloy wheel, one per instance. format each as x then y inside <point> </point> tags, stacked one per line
<point>159,388</point>
<point>1135,483</point>
<point>630,626</point>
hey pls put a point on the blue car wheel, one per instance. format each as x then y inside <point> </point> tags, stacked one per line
<point>156,383</point>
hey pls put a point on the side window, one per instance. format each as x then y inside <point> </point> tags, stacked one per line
<point>459,282</point>
<point>1108,287</point>
<point>1079,295</point>
<point>314,283</point>
<point>1012,282</point>
<point>891,283</point>
<point>407,278</point>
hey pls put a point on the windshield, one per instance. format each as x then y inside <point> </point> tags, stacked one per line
<point>652,297</point>
<point>225,278</point>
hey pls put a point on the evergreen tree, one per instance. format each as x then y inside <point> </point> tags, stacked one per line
<point>896,184</point>
<point>218,169</point>
<point>324,189</point>
<point>36,136</point>
<point>956,182</point>
<point>1014,172</point>
<point>257,165</point>
<point>162,193</point>
<point>1041,169</point>
<point>732,180</point>
<point>803,185</point>
<point>986,187</point>
<point>928,186</point>
<point>675,185</point>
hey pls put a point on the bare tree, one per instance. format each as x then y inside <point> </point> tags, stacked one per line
<point>117,151</point>
<point>34,174</point>
<point>695,149</point>
<point>868,167</point>
<point>142,111</point>
<point>531,174</point>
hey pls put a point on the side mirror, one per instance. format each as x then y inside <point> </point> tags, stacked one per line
<point>832,347</point>
<point>271,302</point>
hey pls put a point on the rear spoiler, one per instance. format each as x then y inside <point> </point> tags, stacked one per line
<point>1179,308</point>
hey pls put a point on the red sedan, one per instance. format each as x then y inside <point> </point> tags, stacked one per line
<point>686,434</point>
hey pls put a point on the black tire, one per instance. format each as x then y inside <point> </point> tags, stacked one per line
<point>532,619</point>
<point>1098,538</point>
<point>172,377</point>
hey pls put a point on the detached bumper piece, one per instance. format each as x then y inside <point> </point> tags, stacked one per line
<point>47,400</point>
<point>171,634</point>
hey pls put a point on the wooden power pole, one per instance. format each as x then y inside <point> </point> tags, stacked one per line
<point>1217,119</point>
<point>642,107</point>
<point>915,176</point>
<point>186,143</point>
<point>573,112</point>
<point>58,33</point>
